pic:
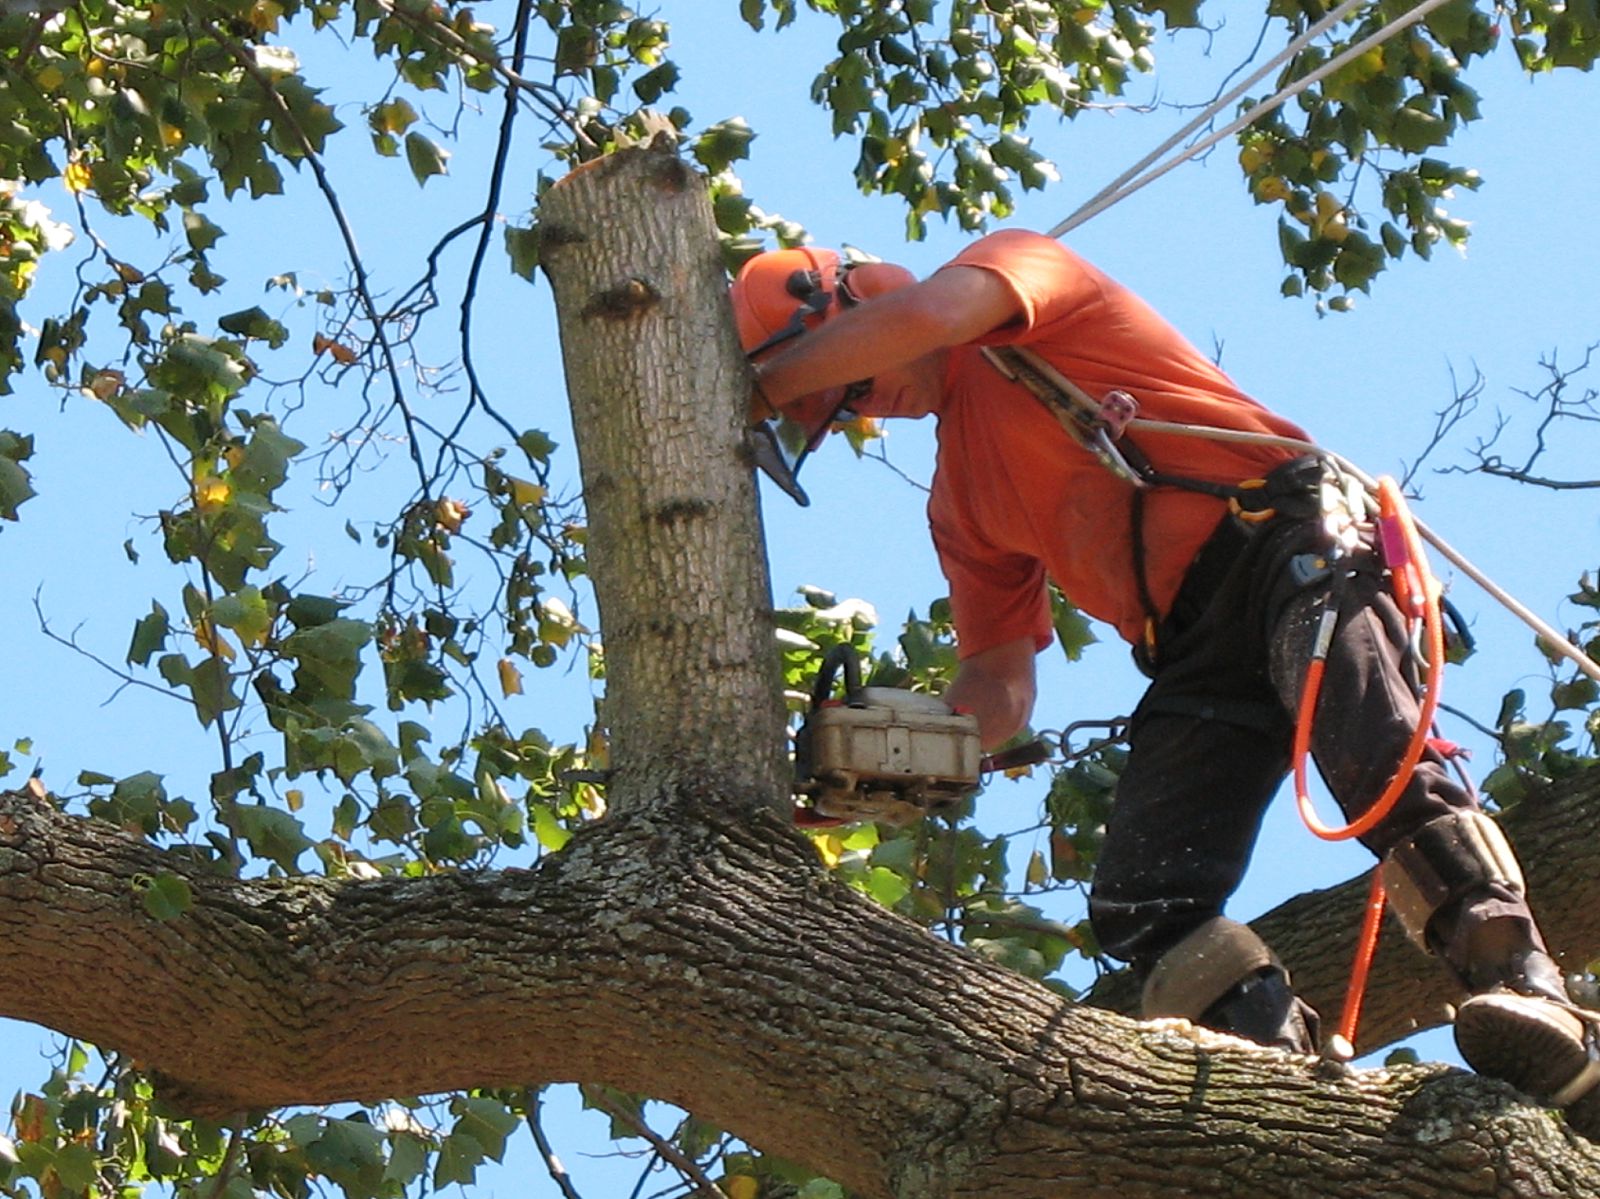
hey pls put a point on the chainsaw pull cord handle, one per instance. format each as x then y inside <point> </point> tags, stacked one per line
<point>837,656</point>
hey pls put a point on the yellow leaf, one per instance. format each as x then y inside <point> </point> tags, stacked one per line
<point>829,847</point>
<point>264,15</point>
<point>49,78</point>
<point>1271,189</point>
<point>211,493</point>
<point>527,494</point>
<point>741,1186</point>
<point>510,678</point>
<point>294,799</point>
<point>213,642</point>
<point>1037,873</point>
<point>76,177</point>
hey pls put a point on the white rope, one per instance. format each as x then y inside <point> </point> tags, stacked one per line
<point>1112,194</point>
<point>1212,109</point>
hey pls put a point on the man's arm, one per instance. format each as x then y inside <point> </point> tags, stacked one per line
<point>998,686</point>
<point>951,307</point>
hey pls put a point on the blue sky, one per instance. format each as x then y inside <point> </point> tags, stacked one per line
<point>1366,383</point>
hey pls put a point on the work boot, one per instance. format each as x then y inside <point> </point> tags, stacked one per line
<point>1225,977</point>
<point>1548,1050</point>
<point>1457,889</point>
<point>1265,1009</point>
<point>1524,1030</point>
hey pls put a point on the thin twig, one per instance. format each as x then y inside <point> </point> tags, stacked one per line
<point>230,1158</point>
<point>357,264</point>
<point>668,1152</point>
<point>558,1172</point>
<point>71,643</point>
<point>502,153</point>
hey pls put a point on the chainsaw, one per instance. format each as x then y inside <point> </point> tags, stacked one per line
<point>880,754</point>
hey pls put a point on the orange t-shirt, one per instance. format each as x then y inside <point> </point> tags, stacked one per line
<point>1015,500</point>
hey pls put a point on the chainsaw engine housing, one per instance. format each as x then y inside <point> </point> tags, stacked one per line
<point>886,755</point>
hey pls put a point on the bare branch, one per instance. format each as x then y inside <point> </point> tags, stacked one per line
<point>1561,407</point>
<point>1463,404</point>
<point>558,1172</point>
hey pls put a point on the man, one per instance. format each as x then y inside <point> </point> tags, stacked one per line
<point>1219,587</point>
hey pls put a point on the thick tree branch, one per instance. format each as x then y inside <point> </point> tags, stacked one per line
<point>716,966</point>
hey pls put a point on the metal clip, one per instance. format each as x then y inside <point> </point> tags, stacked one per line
<point>1117,408</point>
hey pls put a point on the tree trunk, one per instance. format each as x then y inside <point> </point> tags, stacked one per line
<point>690,946</point>
<point>658,387</point>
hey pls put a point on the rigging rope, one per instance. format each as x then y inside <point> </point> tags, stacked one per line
<point>1114,193</point>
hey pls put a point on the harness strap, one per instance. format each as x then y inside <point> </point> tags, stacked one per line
<point>1098,427</point>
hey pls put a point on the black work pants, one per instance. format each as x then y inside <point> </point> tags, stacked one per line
<point>1210,741</point>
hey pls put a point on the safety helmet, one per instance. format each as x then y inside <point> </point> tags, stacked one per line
<point>781,294</point>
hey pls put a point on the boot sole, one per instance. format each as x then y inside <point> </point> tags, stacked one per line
<point>1530,1043</point>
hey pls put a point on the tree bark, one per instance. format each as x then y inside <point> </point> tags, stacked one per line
<point>658,388</point>
<point>714,964</point>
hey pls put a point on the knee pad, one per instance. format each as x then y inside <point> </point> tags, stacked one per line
<point>1443,861</point>
<point>1203,967</point>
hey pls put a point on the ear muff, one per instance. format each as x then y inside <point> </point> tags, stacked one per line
<point>777,296</point>
<point>782,293</point>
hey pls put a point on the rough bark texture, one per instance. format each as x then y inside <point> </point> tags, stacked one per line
<point>690,946</point>
<point>657,385</point>
<point>713,964</point>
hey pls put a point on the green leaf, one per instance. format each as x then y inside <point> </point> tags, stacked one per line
<point>408,1157</point>
<point>264,465</point>
<point>16,488</point>
<point>200,232</point>
<point>536,444</point>
<point>459,1158</point>
<point>548,829</point>
<point>487,1121</point>
<point>1072,628</point>
<point>149,635</point>
<point>273,834</point>
<point>211,686</point>
<point>723,144</point>
<point>256,324</point>
<point>885,886</point>
<point>164,896</point>
<point>246,612</point>
<point>425,157</point>
<point>76,1168</point>
<point>523,247</point>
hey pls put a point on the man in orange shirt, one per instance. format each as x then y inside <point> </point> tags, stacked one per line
<point>1222,604</point>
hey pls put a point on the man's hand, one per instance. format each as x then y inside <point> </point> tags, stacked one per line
<point>997,686</point>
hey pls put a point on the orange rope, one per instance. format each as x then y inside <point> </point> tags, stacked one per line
<point>1418,595</point>
<point>1366,947</point>
<point>1417,590</point>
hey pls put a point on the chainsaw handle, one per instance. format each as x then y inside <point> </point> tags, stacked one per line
<point>837,656</point>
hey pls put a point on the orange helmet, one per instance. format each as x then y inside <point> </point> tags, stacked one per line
<point>780,294</point>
